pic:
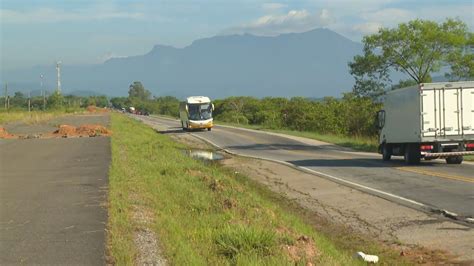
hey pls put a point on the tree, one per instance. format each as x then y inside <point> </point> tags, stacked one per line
<point>462,62</point>
<point>18,99</point>
<point>120,102</point>
<point>167,105</point>
<point>136,90</point>
<point>404,84</point>
<point>232,110</point>
<point>99,101</point>
<point>417,49</point>
<point>56,100</point>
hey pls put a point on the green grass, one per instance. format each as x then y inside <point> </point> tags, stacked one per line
<point>33,117</point>
<point>203,214</point>
<point>469,158</point>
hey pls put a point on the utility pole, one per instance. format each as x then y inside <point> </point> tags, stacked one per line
<point>29,101</point>
<point>58,71</point>
<point>6,96</point>
<point>43,93</point>
<point>44,100</point>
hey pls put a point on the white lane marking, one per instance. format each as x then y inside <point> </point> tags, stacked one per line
<point>318,173</point>
<point>364,187</point>
<point>340,180</point>
<point>337,179</point>
<point>301,139</point>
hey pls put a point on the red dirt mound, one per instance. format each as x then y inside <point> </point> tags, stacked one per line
<point>82,131</point>
<point>5,135</point>
<point>95,109</point>
<point>66,130</point>
<point>93,130</point>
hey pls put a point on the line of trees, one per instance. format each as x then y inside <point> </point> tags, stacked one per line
<point>142,100</point>
<point>417,49</point>
<point>54,101</point>
<point>350,115</point>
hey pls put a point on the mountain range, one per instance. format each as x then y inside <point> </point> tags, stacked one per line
<point>309,64</point>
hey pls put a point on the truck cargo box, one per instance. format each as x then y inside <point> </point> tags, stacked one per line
<point>430,112</point>
<point>430,120</point>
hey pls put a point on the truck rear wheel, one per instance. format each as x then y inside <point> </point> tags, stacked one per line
<point>412,154</point>
<point>386,152</point>
<point>454,160</point>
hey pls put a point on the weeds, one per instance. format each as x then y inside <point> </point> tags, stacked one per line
<point>204,214</point>
<point>240,240</point>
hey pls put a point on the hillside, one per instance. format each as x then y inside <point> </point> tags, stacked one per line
<point>312,64</point>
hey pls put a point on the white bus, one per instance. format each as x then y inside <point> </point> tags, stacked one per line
<point>196,113</point>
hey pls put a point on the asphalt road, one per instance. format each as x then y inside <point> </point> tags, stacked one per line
<point>52,196</point>
<point>432,184</point>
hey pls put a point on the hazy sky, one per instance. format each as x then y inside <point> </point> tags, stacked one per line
<point>35,32</point>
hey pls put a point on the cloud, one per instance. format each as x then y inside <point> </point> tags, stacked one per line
<point>367,28</point>
<point>389,16</point>
<point>108,56</point>
<point>273,7</point>
<point>372,20</point>
<point>293,21</point>
<point>50,15</point>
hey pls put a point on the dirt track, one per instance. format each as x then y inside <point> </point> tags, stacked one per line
<point>53,195</point>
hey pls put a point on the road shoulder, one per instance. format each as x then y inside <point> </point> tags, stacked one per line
<point>401,227</point>
<point>53,198</point>
<point>367,214</point>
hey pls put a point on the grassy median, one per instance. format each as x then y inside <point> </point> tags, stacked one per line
<point>203,214</point>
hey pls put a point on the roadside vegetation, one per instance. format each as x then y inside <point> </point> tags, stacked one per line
<point>349,121</point>
<point>33,117</point>
<point>36,109</point>
<point>51,101</point>
<point>204,214</point>
<point>416,49</point>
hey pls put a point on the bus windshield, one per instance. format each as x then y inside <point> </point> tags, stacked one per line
<point>200,111</point>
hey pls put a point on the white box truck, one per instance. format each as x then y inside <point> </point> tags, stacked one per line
<point>430,121</point>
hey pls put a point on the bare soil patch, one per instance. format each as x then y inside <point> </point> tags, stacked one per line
<point>64,131</point>
<point>5,135</point>
<point>95,109</point>
<point>145,239</point>
<point>82,131</point>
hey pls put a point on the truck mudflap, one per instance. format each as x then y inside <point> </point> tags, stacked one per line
<point>446,154</point>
